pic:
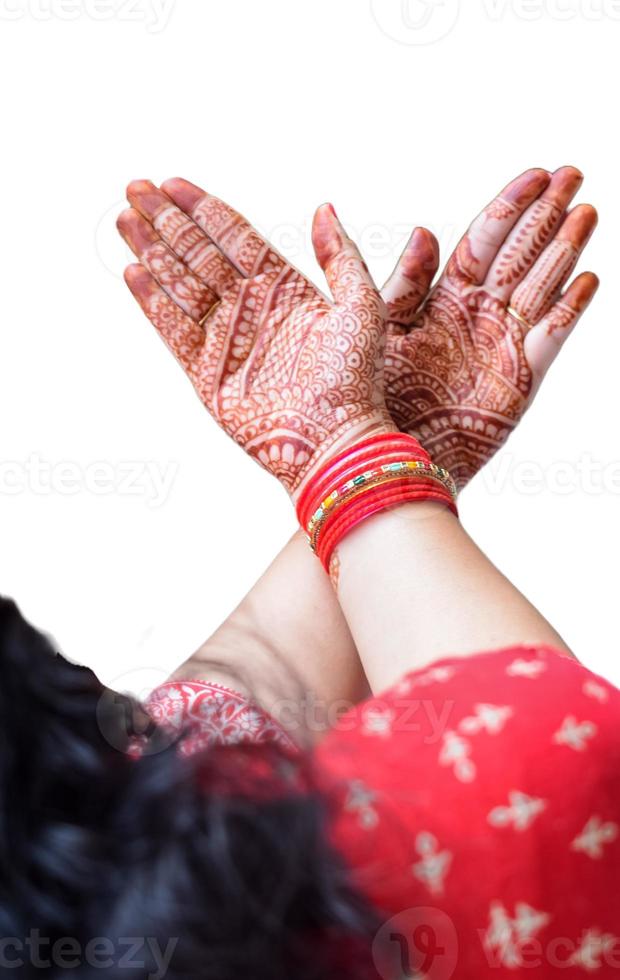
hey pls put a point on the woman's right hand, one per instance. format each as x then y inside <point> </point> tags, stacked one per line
<point>289,375</point>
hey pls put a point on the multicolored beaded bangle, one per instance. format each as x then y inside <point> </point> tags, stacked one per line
<point>414,469</point>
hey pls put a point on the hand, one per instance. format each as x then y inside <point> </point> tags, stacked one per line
<point>289,375</point>
<point>461,373</point>
<point>460,392</point>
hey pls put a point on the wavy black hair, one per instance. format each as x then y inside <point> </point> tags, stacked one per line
<point>215,865</point>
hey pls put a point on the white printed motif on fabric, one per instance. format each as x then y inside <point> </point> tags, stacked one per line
<point>594,836</point>
<point>520,813</point>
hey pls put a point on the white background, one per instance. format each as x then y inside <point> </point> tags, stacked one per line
<point>276,106</point>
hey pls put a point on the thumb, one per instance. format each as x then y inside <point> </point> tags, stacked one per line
<point>340,259</point>
<point>411,280</point>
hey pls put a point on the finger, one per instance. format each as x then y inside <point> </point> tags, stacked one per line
<point>193,296</point>
<point>183,236</point>
<point>409,283</point>
<point>532,233</point>
<point>544,341</point>
<point>180,332</point>
<point>242,245</point>
<point>345,270</point>
<point>543,284</point>
<point>477,249</point>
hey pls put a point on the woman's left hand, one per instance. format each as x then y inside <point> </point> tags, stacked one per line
<point>289,375</point>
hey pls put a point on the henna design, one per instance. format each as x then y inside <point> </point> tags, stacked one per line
<point>334,571</point>
<point>463,376</point>
<point>288,375</point>
<point>199,254</point>
<point>191,295</point>
<point>236,238</point>
<point>560,319</point>
<point>527,244</point>
<point>285,373</point>
<point>535,295</point>
<point>532,233</point>
<point>477,249</point>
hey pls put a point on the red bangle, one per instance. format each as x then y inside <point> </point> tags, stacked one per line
<point>391,497</point>
<point>377,473</point>
<point>337,470</point>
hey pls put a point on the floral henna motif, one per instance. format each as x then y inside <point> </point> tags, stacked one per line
<point>527,244</point>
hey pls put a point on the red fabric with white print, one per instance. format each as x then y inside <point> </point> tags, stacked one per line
<point>213,715</point>
<point>484,793</point>
<point>478,805</point>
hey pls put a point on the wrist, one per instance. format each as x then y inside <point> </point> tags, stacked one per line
<point>346,439</point>
<point>384,471</point>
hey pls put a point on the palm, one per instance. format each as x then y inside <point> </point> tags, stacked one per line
<point>461,372</point>
<point>459,380</point>
<point>286,373</point>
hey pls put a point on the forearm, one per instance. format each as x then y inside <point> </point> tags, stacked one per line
<point>287,641</point>
<point>414,587</point>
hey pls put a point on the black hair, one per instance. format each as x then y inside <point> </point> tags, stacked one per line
<point>214,865</point>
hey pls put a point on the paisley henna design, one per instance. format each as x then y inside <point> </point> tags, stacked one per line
<point>459,375</point>
<point>287,374</point>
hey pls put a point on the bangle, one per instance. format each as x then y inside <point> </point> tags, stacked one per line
<point>391,497</point>
<point>384,448</point>
<point>409,469</point>
<point>379,472</point>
